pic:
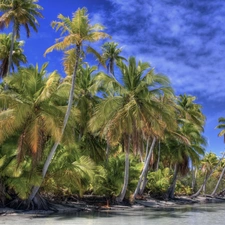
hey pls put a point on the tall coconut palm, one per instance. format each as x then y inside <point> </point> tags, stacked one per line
<point>33,107</point>
<point>78,30</point>
<point>190,125</point>
<point>19,13</point>
<point>17,54</point>
<point>166,101</point>
<point>133,107</point>
<point>110,55</point>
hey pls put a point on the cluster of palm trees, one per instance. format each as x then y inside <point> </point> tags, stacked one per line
<point>69,135</point>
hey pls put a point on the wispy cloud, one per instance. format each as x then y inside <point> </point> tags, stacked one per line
<point>183,39</point>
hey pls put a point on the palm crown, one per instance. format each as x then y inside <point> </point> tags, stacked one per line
<point>17,54</point>
<point>20,13</point>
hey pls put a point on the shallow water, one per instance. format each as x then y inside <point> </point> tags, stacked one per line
<point>189,215</point>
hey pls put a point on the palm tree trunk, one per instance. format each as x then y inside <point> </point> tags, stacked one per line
<point>69,106</point>
<point>204,188</point>
<point>2,193</point>
<point>140,151</point>
<point>142,180</point>
<point>206,178</point>
<point>171,189</point>
<point>200,189</point>
<point>11,49</point>
<point>218,183</point>
<point>111,67</point>
<point>194,175</point>
<point>146,151</point>
<point>126,174</point>
<point>159,151</point>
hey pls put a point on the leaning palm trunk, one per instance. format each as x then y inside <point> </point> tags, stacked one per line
<point>202,186</point>
<point>126,174</point>
<point>56,144</point>
<point>219,181</point>
<point>143,178</point>
<point>171,189</point>
<point>206,178</point>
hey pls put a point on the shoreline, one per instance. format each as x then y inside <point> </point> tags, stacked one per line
<point>77,207</point>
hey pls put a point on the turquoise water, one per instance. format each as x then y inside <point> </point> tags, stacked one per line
<point>199,214</point>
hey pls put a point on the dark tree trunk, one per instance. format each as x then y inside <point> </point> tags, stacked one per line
<point>172,187</point>
<point>11,49</point>
<point>2,194</point>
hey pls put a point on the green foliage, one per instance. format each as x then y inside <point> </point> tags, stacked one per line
<point>159,181</point>
<point>29,108</point>
<point>18,179</point>
<point>209,161</point>
<point>69,173</point>
<point>23,184</point>
<point>139,107</point>
<point>182,189</point>
<point>109,179</point>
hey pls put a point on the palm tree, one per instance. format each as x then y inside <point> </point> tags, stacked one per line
<point>165,101</point>
<point>182,152</point>
<point>110,55</point>
<point>17,54</point>
<point>189,147</point>
<point>209,164</point>
<point>85,100</point>
<point>222,166</point>
<point>222,133</point>
<point>190,110</point>
<point>32,110</point>
<point>19,13</point>
<point>133,107</point>
<point>221,126</point>
<point>28,109</point>
<point>78,30</point>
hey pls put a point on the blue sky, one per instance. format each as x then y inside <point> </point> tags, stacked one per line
<point>184,40</point>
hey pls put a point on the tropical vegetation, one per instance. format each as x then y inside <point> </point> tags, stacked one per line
<point>117,130</point>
